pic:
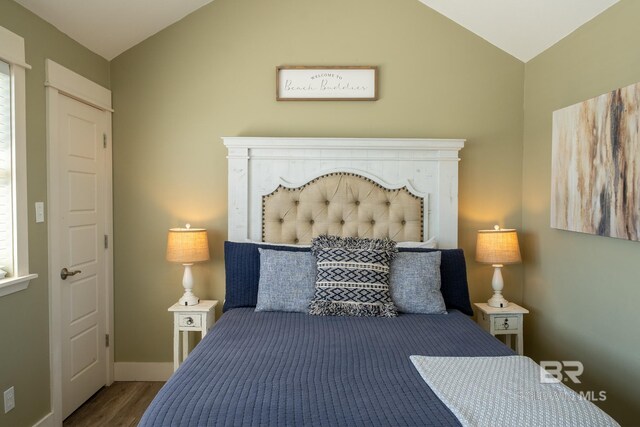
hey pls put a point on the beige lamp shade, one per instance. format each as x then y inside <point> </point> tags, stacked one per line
<point>187,245</point>
<point>498,246</point>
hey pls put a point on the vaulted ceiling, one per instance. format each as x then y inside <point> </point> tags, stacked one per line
<point>523,28</point>
<point>109,27</point>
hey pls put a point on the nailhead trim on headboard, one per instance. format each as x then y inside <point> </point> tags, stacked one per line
<point>409,229</point>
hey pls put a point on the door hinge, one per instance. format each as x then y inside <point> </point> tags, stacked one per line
<point>104,140</point>
<point>106,340</point>
<point>106,241</point>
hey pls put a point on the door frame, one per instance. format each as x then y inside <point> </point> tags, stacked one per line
<point>62,81</point>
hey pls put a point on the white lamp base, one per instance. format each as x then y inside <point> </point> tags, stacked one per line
<point>497,300</point>
<point>189,299</point>
<point>187,282</point>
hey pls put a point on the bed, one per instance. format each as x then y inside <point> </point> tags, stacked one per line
<point>291,369</point>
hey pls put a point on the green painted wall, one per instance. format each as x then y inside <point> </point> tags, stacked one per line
<point>213,74</point>
<point>24,316</point>
<point>582,290</point>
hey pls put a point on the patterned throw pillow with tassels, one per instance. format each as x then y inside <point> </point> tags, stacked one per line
<point>353,277</point>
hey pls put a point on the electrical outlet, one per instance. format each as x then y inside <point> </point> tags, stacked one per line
<point>9,399</point>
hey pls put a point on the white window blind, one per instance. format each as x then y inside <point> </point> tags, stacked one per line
<point>14,239</point>
<point>6,161</point>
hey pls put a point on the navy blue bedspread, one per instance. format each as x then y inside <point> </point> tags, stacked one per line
<point>292,369</point>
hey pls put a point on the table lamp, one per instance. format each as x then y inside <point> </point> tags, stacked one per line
<point>497,247</point>
<point>187,246</point>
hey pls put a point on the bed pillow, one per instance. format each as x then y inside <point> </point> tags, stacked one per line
<point>453,276</point>
<point>242,269</point>
<point>432,243</point>
<point>287,280</point>
<point>415,283</point>
<point>289,245</point>
<point>353,277</point>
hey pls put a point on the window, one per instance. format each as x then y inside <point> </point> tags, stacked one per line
<point>14,256</point>
<point>6,187</point>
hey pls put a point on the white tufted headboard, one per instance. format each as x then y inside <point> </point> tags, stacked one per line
<point>425,170</point>
<point>341,204</point>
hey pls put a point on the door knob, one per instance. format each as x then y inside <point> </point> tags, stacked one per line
<point>64,273</point>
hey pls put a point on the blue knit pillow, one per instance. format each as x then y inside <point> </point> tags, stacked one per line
<point>242,268</point>
<point>453,273</point>
<point>415,283</point>
<point>353,277</point>
<point>287,280</point>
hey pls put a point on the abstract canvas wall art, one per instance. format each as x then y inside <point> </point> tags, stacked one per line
<point>596,165</point>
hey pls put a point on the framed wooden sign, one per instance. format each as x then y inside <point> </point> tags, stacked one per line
<point>323,83</point>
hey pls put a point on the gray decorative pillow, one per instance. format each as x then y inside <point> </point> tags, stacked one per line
<point>353,277</point>
<point>287,280</point>
<point>415,283</point>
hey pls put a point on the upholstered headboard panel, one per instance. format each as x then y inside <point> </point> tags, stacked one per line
<point>357,177</point>
<point>343,204</point>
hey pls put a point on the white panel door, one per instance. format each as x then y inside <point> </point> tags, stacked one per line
<point>81,197</point>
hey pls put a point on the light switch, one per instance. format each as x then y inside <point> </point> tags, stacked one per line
<point>39,211</point>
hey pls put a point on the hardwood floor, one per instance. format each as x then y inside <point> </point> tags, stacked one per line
<point>121,404</point>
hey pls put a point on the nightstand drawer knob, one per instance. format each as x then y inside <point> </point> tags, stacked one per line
<point>510,323</point>
<point>191,321</point>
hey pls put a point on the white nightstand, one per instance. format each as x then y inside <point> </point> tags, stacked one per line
<point>187,318</point>
<point>505,321</point>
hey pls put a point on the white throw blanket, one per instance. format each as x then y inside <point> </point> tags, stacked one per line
<point>505,391</point>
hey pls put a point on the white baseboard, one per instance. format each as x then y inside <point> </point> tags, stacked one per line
<point>137,371</point>
<point>127,371</point>
<point>46,421</point>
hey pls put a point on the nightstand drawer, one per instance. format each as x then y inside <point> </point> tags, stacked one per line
<point>506,323</point>
<point>189,320</point>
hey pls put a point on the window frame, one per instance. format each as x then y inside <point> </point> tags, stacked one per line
<point>12,51</point>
